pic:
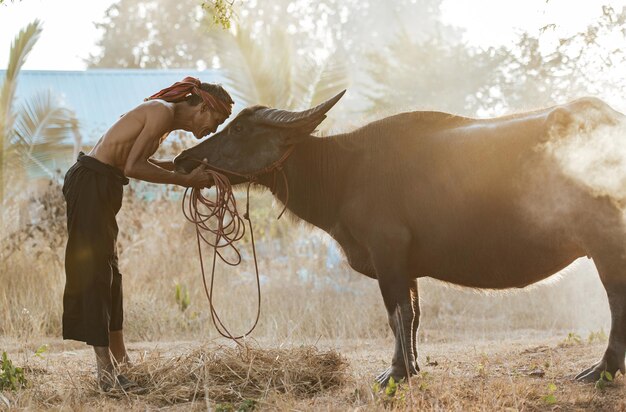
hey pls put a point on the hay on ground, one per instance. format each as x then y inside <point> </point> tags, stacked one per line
<point>236,374</point>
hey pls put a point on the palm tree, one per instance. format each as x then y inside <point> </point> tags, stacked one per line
<point>32,131</point>
<point>265,68</point>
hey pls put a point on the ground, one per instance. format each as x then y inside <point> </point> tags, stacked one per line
<point>513,373</point>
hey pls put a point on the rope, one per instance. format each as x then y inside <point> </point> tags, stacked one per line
<point>219,225</point>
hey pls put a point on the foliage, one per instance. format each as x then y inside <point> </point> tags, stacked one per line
<point>20,48</point>
<point>409,74</point>
<point>247,405</point>
<point>32,131</point>
<point>173,37</point>
<point>572,339</point>
<point>219,11</point>
<point>547,68</point>
<point>605,378</point>
<point>392,387</point>
<point>266,69</point>
<point>441,71</point>
<point>599,336</point>
<point>41,351</point>
<point>181,295</point>
<point>46,226</point>
<point>550,399</point>
<point>11,377</point>
<point>41,127</point>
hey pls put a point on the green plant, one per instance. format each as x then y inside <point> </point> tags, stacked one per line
<point>391,388</point>
<point>182,297</point>
<point>605,378</point>
<point>220,11</point>
<point>224,407</point>
<point>550,399</point>
<point>36,128</point>
<point>423,382</point>
<point>599,336</point>
<point>572,339</point>
<point>247,405</point>
<point>41,350</point>
<point>11,377</point>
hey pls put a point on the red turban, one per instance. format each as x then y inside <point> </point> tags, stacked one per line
<point>190,85</point>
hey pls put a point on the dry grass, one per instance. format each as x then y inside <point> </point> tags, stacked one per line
<point>309,299</point>
<point>516,374</point>
<point>238,374</point>
<point>306,294</point>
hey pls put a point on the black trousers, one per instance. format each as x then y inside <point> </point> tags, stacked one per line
<point>92,299</point>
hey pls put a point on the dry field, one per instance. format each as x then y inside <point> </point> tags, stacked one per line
<point>515,374</point>
<point>515,350</point>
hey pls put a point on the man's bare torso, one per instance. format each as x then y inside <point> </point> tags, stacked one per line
<point>114,146</point>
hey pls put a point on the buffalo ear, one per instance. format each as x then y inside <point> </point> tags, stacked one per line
<point>292,137</point>
<point>295,135</point>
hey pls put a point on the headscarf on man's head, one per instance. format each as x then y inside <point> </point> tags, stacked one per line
<point>190,85</point>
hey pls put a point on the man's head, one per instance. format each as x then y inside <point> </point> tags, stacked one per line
<point>207,116</point>
<point>206,105</point>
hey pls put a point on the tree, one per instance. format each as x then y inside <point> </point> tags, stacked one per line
<point>444,73</point>
<point>549,69</point>
<point>266,69</point>
<point>154,34</point>
<point>426,74</point>
<point>32,130</point>
<point>21,47</point>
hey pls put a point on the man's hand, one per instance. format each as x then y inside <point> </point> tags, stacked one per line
<point>199,177</point>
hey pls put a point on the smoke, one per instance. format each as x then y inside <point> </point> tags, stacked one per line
<point>591,151</point>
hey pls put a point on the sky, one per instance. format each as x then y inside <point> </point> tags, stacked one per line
<point>70,35</point>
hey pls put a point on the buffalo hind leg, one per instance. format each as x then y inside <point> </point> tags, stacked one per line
<point>389,257</point>
<point>611,265</point>
<point>415,302</point>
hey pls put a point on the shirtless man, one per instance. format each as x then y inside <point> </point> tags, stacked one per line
<point>93,189</point>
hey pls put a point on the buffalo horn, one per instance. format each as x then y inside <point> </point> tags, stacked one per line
<point>286,118</point>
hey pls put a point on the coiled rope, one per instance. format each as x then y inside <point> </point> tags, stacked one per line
<point>219,225</point>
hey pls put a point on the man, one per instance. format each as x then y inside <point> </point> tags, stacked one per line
<point>93,189</point>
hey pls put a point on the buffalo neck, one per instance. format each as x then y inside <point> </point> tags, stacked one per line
<point>316,172</point>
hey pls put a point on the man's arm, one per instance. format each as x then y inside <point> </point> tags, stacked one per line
<point>163,164</point>
<point>138,165</point>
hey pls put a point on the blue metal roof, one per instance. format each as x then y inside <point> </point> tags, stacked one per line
<point>100,96</point>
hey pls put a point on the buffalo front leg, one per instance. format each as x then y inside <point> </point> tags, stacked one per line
<point>401,317</point>
<point>395,286</point>
<point>612,270</point>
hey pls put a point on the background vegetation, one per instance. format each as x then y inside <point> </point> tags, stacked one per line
<point>292,54</point>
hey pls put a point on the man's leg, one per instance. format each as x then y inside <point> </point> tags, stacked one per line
<point>116,333</point>
<point>118,348</point>
<point>106,370</point>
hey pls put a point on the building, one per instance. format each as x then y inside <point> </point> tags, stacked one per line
<point>98,97</point>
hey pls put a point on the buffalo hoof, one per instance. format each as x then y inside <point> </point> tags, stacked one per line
<point>396,374</point>
<point>593,373</point>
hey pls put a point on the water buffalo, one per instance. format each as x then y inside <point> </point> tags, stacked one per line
<point>483,203</point>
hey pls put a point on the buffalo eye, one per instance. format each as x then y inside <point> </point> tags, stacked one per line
<point>237,128</point>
